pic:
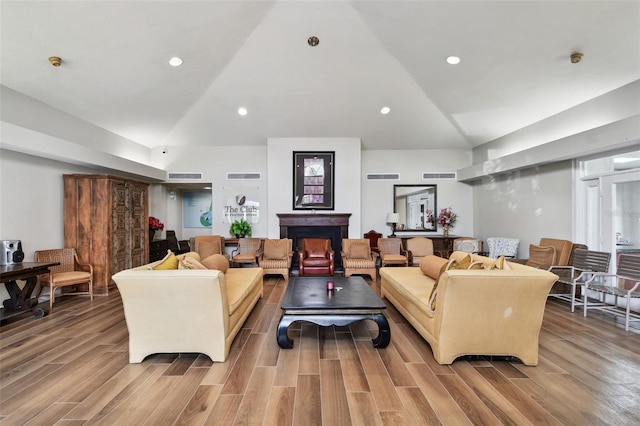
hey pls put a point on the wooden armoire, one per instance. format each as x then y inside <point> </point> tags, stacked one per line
<point>106,221</point>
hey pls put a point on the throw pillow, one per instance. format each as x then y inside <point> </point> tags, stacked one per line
<point>191,263</point>
<point>431,266</point>
<point>463,262</point>
<point>170,261</point>
<point>359,250</point>
<point>191,254</point>
<point>216,261</point>
<point>275,249</point>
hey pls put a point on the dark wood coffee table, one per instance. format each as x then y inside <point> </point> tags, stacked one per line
<point>307,299</point>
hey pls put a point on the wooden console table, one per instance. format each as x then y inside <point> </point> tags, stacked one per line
<point>22,300</point>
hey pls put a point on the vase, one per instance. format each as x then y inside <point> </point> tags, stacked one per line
<point>445,232</point>
<point>152,234</point>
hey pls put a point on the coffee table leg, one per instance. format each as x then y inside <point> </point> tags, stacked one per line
<point>283,340</point>
<point>384,332</point>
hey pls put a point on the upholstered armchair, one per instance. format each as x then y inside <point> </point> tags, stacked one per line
<point>316,257</point>
<point>275,257</point>
<point>206,245</point>
<point>499,246</point>
<point>417,248</point>
<point>391,252</point>
<point>357,257</point>
<point>467,244</point>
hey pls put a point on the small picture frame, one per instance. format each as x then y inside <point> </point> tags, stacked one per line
<point>313,180</point>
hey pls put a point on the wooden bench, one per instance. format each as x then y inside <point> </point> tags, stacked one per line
<point>584,264</point>
<point>624,283</point>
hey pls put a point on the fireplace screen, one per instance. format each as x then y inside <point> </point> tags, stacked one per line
<point>313,183</point>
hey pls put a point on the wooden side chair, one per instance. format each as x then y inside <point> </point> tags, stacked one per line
<point>247,252</point>
<point>391,252</point>
<point>70,272</point>
<point>373,238</point>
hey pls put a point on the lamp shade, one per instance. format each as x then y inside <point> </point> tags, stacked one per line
<point>393,218</point>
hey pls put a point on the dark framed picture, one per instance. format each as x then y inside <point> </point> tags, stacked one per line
<point>313,180</point>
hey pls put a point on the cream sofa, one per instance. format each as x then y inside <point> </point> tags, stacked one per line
<point>477,312</point>
<point>182,310</point>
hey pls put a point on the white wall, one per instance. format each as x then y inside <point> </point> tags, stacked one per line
<point>377,196</point>
<point>527,204</point>
<point>32,194</point>
<point>347,178</point>
<point>214,163</point>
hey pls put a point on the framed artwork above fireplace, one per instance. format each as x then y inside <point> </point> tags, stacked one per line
<point>313,180</point>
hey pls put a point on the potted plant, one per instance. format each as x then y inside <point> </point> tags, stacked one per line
<point>240,228</point>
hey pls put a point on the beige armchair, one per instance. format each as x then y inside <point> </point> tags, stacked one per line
<point>417,248</point>
<point>70,272</point>
<point>275,257</point>
<point>357,257</point>
<point>247,252</point>
<point>206,245</point>
<point>391,252</point>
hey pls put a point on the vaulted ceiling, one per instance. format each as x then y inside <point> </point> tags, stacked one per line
<point>514,70</point>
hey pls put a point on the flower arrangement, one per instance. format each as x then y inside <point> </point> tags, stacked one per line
<point>447,218</point>
<point>155,224</point>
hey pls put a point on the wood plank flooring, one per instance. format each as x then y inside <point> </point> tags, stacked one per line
<point>71,368</point>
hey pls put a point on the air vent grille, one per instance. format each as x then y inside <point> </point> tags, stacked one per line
<point>244,176</point>
<point>185,176</point>
<point>440,176</point>
<point>383,176</point>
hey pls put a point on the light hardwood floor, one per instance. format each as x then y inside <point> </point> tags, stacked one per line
<point>71,368</point>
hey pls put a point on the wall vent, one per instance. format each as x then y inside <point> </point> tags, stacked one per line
<point>383,176</point>
<point>440,176</point>
<point>244,176</point>
<point>185,176</point>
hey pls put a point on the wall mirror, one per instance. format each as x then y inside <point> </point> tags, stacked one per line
<point>416,205</point>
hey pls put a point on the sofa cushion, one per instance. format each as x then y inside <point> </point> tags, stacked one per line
<point>170,261</point>
<point>216,261</point>
<point>359,250</point>
<point>275,249</point>
<point>431,266</point>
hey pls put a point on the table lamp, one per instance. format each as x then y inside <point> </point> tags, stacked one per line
<point>393,218</point>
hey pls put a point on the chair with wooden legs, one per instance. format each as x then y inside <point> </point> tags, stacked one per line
<point>70,272</point>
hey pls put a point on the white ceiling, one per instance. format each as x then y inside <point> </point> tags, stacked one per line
<point>515,67</point>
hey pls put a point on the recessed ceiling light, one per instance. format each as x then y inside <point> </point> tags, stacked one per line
<point>385,110</point>
<point>175,61</point>
<point>453,60</point>
<point>242,111</point>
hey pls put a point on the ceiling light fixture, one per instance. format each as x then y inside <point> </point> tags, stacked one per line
<point>313,41</point>
<point>56,61</point>
<point>453,60</point>
<point>175,61</point>
<point>385,110</point>
<point>242,111</point>
<point>576,57</point>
